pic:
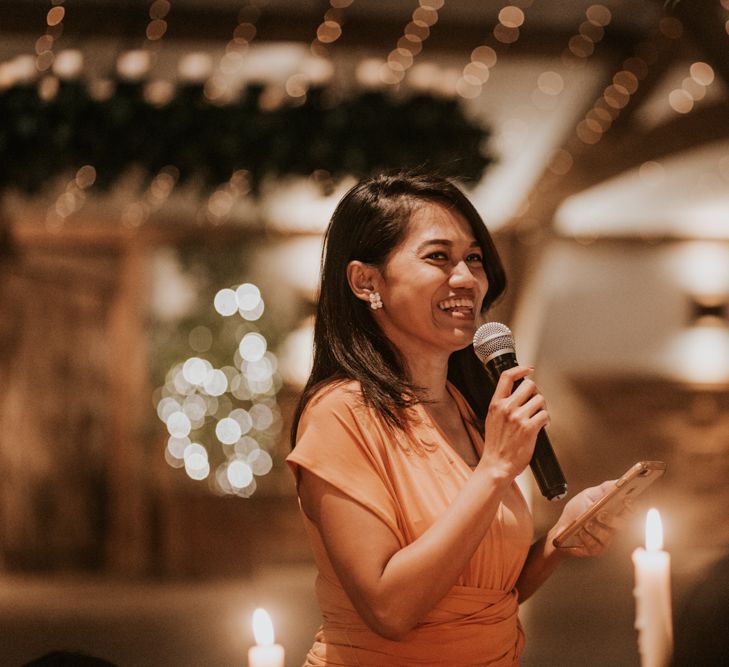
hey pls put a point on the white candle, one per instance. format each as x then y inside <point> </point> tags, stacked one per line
<point>265,653</point>
<point>653,596</point>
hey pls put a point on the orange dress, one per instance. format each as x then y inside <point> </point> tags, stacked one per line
<point>407,488</point>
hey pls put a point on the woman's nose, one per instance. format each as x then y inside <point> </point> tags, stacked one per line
<point>461,275</point>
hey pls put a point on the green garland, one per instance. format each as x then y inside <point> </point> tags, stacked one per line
<point>41,140</point>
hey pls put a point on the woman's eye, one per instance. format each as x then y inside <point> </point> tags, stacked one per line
<point>475,259</point>
<point>438,254</point>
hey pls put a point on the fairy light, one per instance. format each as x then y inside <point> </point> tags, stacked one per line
<point>693,88</point>
<point>157,25</point>
<point>590,32</point>
<point>410,44</point>
<point>45,44</point>
<point>231,410</point>
<point>330,29</point>
<point>72,198</point>
<point>217,88</point>
<point>483,59</point>
<point>221,202</point>
<point>158,191</point>
<point>626,81</point>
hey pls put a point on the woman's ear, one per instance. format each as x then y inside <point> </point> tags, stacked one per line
<point>362,279</point>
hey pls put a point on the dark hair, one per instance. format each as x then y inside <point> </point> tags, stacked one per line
<point>369,222</point>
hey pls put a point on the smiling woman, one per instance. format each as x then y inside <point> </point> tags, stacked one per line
<point>391,444</point>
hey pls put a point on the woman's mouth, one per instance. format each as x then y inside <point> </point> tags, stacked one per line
<point>457,306</point>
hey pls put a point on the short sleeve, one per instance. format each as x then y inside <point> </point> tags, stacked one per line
<point>338,441</point>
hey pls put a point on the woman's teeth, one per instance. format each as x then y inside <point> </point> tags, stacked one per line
<point>453,304</point>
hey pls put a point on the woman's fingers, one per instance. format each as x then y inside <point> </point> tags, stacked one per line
<point>508,378</point>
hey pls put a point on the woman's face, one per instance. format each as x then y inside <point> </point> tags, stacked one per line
<point>433,284</point>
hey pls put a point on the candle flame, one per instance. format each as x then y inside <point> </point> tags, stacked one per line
<point>262,627</point>
<point>653,531</point>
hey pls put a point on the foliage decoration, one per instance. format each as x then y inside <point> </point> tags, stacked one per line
<point>43,139</point>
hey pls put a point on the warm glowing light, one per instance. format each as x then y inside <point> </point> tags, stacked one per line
<point>156,29</point>
<point>159,9</point>
<point>511,16</point>
<point>133,65</point>
<point>248,296</point>
<point>262,628</point>
<point>260,462</point>
<point>680,101</point>
<point>252,346</point>
<point>68,63</point>
<point>653,531</point>
<point>702,73</point>
<point>215,383</point>
<point>243,418</point>
<point>485,55</point>
<point>702,269</point>
<point>55,16</point>
<point>262,416</point>
<point>239,475</point>
<point>85,176</point>
<point>505,35</point>
<point>178,424</point>
<point>228,431</point>
<point>700,355</point>
<point>195,67</point>
<point>599,15</point>
<point>225,302</point>
<point>195,370</point>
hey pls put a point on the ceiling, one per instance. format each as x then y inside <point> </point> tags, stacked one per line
<point>545,171</point>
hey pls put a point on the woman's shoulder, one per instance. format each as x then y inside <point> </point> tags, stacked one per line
<point>336,395</point>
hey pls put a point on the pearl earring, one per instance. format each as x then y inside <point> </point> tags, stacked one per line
<point>375,300</point>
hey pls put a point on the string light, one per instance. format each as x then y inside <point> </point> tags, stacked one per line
<point>158,191</point>
<point>693,88</point>
<point>72,198</point>
<point>330,29</point>
<point>590,32</point>
<point>221,202</point>
<point>224,418</point>
<point>217,88</point>
<point>410,44</point>
<point>477,71</point>
<point>44,45</point>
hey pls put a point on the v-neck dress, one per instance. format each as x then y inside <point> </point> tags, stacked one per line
<point>408,480</point>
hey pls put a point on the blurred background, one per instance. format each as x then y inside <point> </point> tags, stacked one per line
<point>166,171</point>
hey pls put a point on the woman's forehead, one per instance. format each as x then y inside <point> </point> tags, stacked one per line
<point>436,221</point>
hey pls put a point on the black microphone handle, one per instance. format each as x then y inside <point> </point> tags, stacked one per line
<point>544,464</point>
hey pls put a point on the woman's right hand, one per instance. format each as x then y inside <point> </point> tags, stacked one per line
<point>512,422</point>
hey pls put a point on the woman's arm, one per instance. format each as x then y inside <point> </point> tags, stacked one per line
<point>544,558</point>
<point>393,588</point>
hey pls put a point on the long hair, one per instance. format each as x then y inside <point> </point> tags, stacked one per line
<point>369,222</point>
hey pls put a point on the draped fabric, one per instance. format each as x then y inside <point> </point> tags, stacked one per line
<point>407,480</point>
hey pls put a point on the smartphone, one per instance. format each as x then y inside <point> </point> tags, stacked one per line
<point>636,480</point>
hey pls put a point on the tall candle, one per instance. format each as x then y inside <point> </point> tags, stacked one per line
<point>653,596</point>
<point>265,653</point>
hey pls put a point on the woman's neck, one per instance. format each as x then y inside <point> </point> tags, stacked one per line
<point>429,374</point>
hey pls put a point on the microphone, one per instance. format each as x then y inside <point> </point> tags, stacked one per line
<point>494,346</point>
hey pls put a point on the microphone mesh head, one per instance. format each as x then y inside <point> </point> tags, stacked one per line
<point>491,339</point>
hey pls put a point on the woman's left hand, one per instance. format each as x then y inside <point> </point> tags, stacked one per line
<point>594,538</point>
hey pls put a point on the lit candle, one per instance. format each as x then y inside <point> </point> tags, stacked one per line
<point>653,596</point>
<point>265,653</point>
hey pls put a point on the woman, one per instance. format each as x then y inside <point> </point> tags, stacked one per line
<point>405,459</point>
